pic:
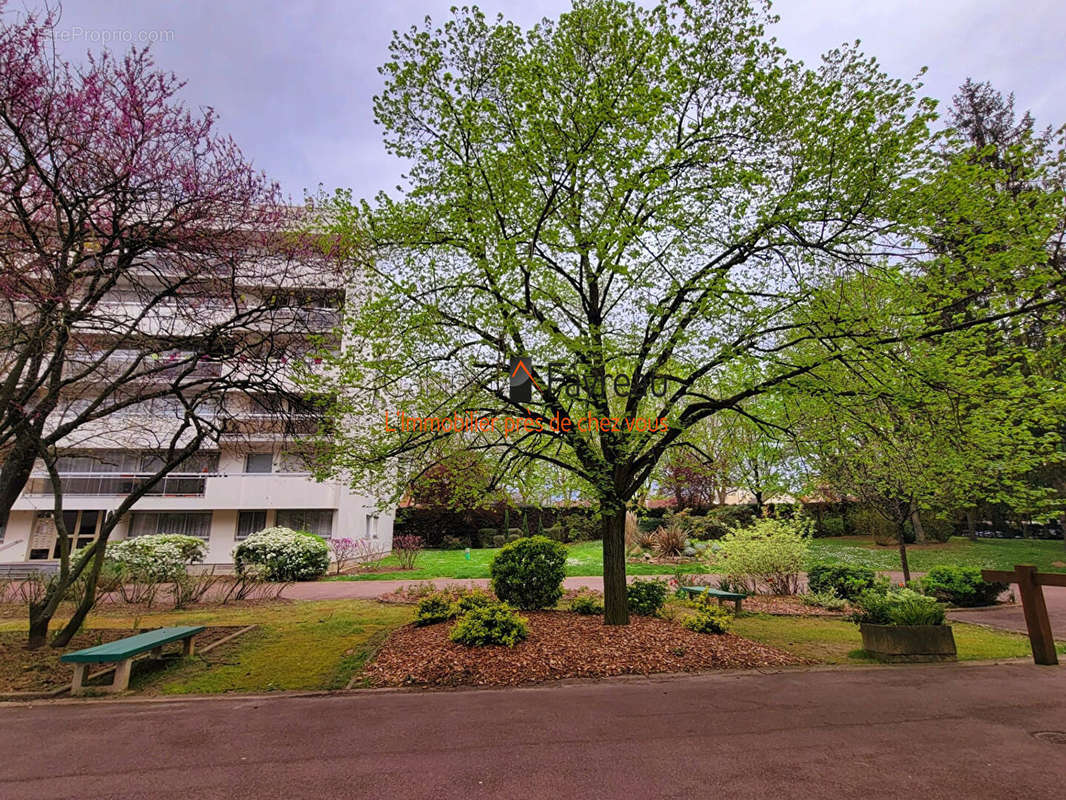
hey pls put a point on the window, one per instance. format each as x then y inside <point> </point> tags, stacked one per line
<point>259,462</point>
<point>249,522</point>
<point>316,521</point>
<point>145,523</point>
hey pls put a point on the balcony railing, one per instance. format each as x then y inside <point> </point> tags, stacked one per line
<point>176,484</point>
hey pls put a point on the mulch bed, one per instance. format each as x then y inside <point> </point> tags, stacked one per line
<point>787,605</point>
<point>563,645</point>
<point>40,670</point>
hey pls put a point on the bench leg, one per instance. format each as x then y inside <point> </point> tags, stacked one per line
<point>188,646</point>
<point>77,687</point>
<point>738,601</point>
<point>122,676</point>
<point>157,652</point>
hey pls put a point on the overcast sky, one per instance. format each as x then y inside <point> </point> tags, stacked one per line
<point>293,81</point>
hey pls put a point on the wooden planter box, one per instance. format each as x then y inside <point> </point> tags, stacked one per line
<point>909,642</point>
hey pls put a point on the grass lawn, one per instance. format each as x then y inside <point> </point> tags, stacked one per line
<point>1047,555</point>
<point>836,641</point>
<point>586,558</point>
<point>308,645</point>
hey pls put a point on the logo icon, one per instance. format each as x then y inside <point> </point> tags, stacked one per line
<point>521,381</point>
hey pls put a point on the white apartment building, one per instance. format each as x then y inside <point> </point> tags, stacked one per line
<point>244,483</point>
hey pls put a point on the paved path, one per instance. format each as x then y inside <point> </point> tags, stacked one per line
<point>932,732</point>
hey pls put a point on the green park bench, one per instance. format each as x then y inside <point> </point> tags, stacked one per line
<point>122,652</point>
<point>721,595</point>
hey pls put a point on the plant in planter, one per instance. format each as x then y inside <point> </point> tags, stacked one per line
<point>903,625</point>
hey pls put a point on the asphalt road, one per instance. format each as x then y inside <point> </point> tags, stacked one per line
<point>921,732</point>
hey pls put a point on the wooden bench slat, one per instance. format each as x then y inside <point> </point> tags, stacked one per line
<point>122,649</point>
<point>715,592</point>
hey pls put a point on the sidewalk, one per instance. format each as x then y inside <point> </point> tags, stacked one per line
<point>930,732</point>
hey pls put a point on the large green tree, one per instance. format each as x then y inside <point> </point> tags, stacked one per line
<point>638,200</point>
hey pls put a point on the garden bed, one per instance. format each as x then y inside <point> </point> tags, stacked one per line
<point>787,605</point>
<point>40,670</point>
<point>563,645</point>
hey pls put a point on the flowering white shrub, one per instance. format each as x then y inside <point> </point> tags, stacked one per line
<point>160,558</point>
<point>284,554</point>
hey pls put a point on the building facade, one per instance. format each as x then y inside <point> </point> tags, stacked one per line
<point>241,481</point>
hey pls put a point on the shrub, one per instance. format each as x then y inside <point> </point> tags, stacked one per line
<point>843,580</point>
<point>898,607</point>
<point>960,586</point>
<point>406,550</point>
<point>824,600</point>
<point>582,528</point>
<point>193,548</point>
<point>483,537</point>
<point>283,554</point>
<point>512,537</point>
<point>471,599</point>
<point>832,525</point>
<point>436,607</point>
<point>585,602</point>
<point>499,540</point>
<point>557,533</point>
<point>937,528</point>
<point>869,521</point>
<point>770,551</point>
<point>668,541</point>
<point>148,559</point>
<point>646,597</point>
<point>529,573</point>
<point>347,551</point>
<point>709,619</point>
<point>496,624</point>
<point>452,543</point>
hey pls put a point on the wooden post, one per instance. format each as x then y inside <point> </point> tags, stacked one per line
<point>1037,621</point>
<point>1036,618</point>
<point>188,646</point>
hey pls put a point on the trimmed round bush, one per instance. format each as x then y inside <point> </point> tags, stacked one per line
<point>709,619</point>
<point>646,597</point>
<point>496,623</point>
<point>961,586</point>
<point>528,574</point>
<point>283,554</point>
<point>846,582</point>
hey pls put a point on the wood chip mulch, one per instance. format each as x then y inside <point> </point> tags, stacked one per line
<point>788,605</point>
<point>563,645</point>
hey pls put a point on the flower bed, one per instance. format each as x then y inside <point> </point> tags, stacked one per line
<point>563,645</point>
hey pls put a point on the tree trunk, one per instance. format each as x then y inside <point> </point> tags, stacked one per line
<point>18,465</point>
<point>916,521</point>
<point>615,603</point>
<point>971,524</point>
<point>902,528</point>
<point>88,600</point>
<point>39,621</point>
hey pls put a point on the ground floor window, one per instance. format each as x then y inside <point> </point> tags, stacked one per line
<point>193,523</point>
<point>249,522</point>
<point>316,521</point>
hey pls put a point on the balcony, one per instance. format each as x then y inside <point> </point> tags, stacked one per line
<point>186,491</point>
<point>176,484</point>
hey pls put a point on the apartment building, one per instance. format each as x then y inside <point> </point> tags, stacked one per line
<point>243,481</point>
